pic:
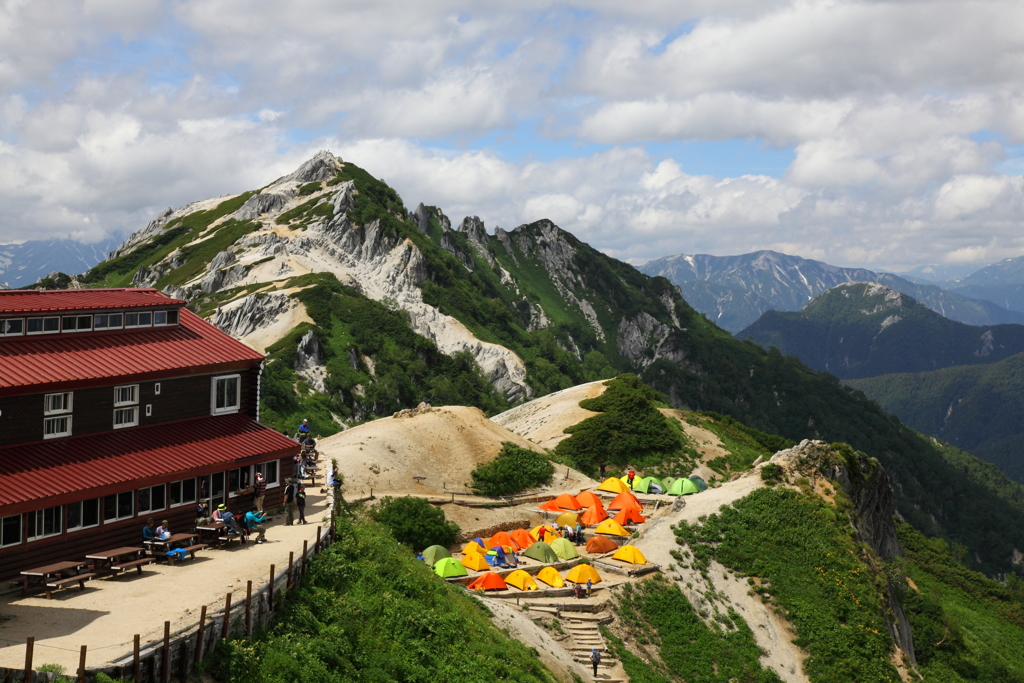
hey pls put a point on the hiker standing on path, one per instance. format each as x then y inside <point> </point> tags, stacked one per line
<point>289,501</point>
<point>259,490</point>
<point>595,659</point>
<point>629,478</point>
<point>590,588</point>
<point>300,499</point>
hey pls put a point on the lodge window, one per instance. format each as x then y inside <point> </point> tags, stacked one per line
<point>83,514</point>
<point>269,472</point>
<point>10,531</point>
<point>239,479</point>
<point>77,323</point>
<point>44,523</point>
<point>12,327</point>
<point>119,506</point>
<point>55,427</point>
<point>126,417</point>
<point>141,319</point>
<point>108,321</point>
<point>43,325</point>
<point>183,492</point>
<point>212,489</point>
<point>165,317</point>
<point>225,395</point>
<point>55,404</point>
<point>126,395</point>
<point>152,498</point>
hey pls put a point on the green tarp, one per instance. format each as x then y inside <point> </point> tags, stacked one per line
<point>541,552</point>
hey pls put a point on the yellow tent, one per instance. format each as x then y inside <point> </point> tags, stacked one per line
<point>521,580</point>
<point>550,576</point>
<point>581,572</point>
<point>612,528</point>
<point>475,561</point>
<point>613,485</point>
<point>569,518</point>
<point>473,547</point>
<point>631,554</point>
<point>539,532</point>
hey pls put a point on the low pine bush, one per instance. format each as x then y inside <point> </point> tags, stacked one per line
<point>514,469</point>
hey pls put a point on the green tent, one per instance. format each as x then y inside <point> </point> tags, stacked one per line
<point>447,567</point>
<point>667,482</point>
<point>700,483</point>
<point>564,549</point>
<point>434,553</point>
<point>682,487</point>
<point>541,552</point>
<point>648,485</point>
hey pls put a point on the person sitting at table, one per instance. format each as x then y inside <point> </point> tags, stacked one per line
<point>163,532</point>
<point>149,531</point>
<point>222,514</point>
<point>254,520</point>
<point>203,514</point>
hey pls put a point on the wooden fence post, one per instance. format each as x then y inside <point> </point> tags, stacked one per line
<point>227,617</point>
<point>30,645</point>
<point>305,549</point>
<point>166,670</point>
<point>316,547</point>
<point>199,637</point>
<point>136,663</point>
<point>270,594</point>
<point>81,666</point>
<point>248,608</point>
<point>291,561</point>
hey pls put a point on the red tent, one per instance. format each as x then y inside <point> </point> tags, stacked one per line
<point>624,500</point>
<point>601,544</point>
<point>550,506</point>
<point>593,516</point>
<point>589,499</point>
<point>488,581</point>
<point>629,516</point>
<point>522,538</point>
<point>567,502</point>
<point>503,538</point>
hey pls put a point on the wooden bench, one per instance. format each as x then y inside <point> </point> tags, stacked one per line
<point>124,566</point>
<point>57,583</point>
<point>190,549</point>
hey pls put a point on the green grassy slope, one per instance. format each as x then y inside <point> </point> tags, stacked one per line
<point>975,408</point>
<point>853,333</point>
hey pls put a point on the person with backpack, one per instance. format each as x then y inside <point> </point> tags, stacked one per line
<point>595,659</point>
<point>289,501</point>
<point>300,500</point>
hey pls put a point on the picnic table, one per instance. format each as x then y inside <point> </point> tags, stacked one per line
<point>118,560</point>
<point>219,531</point>
<point>52,576</point>
<point>186,541</point>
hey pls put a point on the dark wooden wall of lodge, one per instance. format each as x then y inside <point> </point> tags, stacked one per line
<point>127,532</point>
<point>21,417</point>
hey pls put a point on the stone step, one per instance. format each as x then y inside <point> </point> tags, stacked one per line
<point>546,610</point>
<point>583,616</point>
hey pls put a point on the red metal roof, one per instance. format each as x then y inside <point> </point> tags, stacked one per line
<point>51,301</point>
<point>100,464</point>
<point>35,362</point>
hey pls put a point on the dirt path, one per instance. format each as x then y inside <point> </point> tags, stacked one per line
<point>772,633</point>
<point>110,611</point>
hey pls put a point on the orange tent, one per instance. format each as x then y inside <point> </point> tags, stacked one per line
<point>597,545</point>
<point>589,499</point>
<point>629,516</point>
<point>593,516</point>
<point>522,538</point>
<point>624,500</point>
<point>476,562</point>
<point>503,539</point>
<point>550,506</point>
<point>567,502</point>
<point>488,581</point>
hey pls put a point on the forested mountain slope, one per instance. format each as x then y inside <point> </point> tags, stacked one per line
<point>865,329</point>
<point>365,307</point>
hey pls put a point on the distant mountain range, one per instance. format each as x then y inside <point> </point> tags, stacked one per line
<point>977,408</point>
<point>866,329</point>
<point>23,264</point>
<point>734,291</point>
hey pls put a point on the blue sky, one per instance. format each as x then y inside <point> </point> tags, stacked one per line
<point>879,134</point>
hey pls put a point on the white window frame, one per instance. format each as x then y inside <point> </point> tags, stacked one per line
<point>40,520</point>
<point>227,479</point>
<point>64,411</point>
<point>181,483</point>
<point>151,509</point>
<point>78,319</point>
<point>134,410</point>
<point>117,499</point>
<point>4,542</point>
<point>57,435</point>
<point>108,326</point>
<point>137,324</point>
<point>43,320</point>
<point>134,401</point>
<point>214,410</point>
<point>261,468</point>
<point>4,325</point>
<point>156,388</point>
<point>81,504</point>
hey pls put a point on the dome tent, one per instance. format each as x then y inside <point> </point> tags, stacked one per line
<point>488,581</point>
<point>476,562</point>
<point>564,549</point>
<point>581,572</point>
<point>629,516</point>
<point>447,567</point>
<point>611,528</point>
<point>434,553</point>
<point>521,580</point>
<point>550,576</point>
<point>700,483</point>
<point>613,485</point>
<point>682,487</point>
<point>601,544</point>
<point>541,552</point>
<point>630,553</point>
<point>589,499</point>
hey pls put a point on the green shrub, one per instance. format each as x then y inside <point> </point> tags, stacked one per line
<point>513,470</point>
<point>415,522</point>
<point>308,188</point>
<point>771,473</point>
